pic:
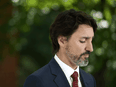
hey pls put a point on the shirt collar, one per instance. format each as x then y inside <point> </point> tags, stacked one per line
<point>68,71</point>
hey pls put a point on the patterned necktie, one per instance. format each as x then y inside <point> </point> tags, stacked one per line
<point>75,79</point>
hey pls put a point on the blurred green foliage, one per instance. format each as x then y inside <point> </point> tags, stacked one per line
<point>32,19</point>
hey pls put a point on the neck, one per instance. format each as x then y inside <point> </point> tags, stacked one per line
<point>66,60</point>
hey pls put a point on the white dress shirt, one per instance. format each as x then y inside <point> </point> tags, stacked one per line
<point>68,71</point>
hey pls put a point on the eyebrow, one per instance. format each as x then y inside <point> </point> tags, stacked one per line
<point>87,37</point>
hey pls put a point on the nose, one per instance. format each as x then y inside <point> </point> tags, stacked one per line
<point>89,47</point>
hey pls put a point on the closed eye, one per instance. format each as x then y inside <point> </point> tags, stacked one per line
<point>82,41</point>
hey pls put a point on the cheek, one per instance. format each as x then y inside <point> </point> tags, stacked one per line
<point>80,47</point>
<point>77,47</point>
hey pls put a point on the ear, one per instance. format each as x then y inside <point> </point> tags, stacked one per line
<point>62,41</point>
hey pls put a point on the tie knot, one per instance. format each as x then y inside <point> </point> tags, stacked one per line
<point>75,76</point>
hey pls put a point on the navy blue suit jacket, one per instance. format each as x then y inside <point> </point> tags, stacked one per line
<point>51,75</point>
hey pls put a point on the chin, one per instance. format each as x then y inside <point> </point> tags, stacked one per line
<point>82,63</point>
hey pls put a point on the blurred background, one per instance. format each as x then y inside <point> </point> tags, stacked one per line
<point>25,45</point>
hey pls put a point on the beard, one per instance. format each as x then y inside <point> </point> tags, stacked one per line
<point>78,60</point>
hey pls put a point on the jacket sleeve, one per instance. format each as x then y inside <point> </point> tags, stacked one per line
<point>33,81</point>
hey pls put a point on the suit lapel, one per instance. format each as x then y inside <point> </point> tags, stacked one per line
<point>83,79</point>
<point>60,78</point>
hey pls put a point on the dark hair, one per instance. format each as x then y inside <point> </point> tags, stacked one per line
<point>66,23</point>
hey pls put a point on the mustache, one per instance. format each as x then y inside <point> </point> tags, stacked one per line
<point>87,52</point>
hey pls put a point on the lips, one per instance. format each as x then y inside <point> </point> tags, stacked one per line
<point>86,55</point>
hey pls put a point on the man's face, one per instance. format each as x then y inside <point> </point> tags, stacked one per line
<point>79,46</point>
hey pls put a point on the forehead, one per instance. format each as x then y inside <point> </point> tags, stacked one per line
<point>84,31</point>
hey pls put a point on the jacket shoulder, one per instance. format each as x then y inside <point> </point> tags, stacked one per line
<point>40,78</point>
<point>41,71</point>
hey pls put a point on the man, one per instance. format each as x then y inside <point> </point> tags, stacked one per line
<point>71,35</point>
